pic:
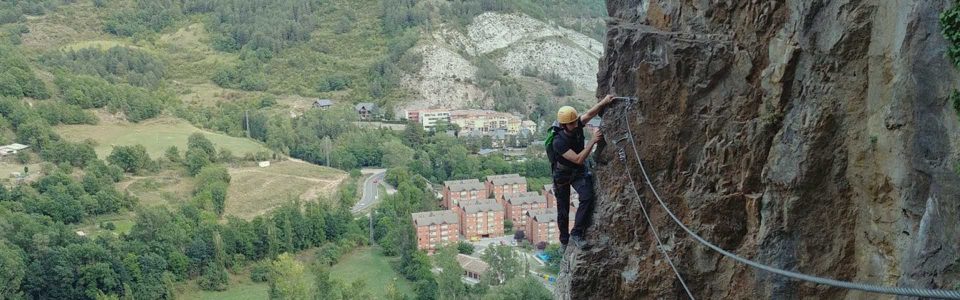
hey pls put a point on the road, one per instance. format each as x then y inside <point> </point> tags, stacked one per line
<point>371,190</point>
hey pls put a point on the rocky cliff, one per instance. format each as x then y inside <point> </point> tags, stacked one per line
<point>809,135</point>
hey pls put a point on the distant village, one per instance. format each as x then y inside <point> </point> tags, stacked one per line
<point>500,127</point>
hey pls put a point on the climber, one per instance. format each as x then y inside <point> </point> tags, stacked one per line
<point>568,155</point>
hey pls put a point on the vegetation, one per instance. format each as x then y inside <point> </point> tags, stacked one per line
<point>116,65</point>
<point>16,76</point>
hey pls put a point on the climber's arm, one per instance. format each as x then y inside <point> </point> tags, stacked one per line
<point>587,116</point>
<point>579,158</point>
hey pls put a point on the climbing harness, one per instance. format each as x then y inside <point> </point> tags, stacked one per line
<point>623,158</point>
<point>910,292</point>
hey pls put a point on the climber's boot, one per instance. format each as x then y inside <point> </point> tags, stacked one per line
<point>580,242</point>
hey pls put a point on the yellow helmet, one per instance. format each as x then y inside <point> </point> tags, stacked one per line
<point>566,115</point>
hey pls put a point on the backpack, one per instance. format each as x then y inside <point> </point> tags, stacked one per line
<point>548,145</point>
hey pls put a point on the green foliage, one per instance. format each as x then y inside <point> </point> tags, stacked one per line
<point>504,264</point>
<point>286,279</point>
<point>955,100</point>
<point>508,225</point>
<point>74,154</point>
<point>214,278</point>
<point>246,76</point>
<point>12,270</point>
<point>212,183</point>
<point>132,159</point>
<point>465,248</point>
<point>17,78</point>
<point>91,92</point>
<point>524,287</point>
<point>115,65</point>
<point>144,18</point>
<point>260,272</point>
<point>449,282</point>
<point>950,28</point>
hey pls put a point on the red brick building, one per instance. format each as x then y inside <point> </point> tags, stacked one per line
<point>552,199</point>
<point>517,205</point>
<point>481,219</point>
<point>505,185</point>
<point>455,191</point>
<point>436,228</point>
<point>542,226</point>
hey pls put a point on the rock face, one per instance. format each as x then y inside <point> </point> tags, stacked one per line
<point>512,42</point>
<point>809,135</point>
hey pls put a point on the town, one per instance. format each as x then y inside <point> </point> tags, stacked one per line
<point>499,209</point>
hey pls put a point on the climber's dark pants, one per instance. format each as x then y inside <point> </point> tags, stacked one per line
<point>582,182</point>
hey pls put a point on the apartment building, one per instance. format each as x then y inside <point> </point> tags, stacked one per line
<point>455,191</point>
<point>481,219</point>
<point>505,185</point>
<point>552,199</point>
<point>436,228</point>
<point>517,205</point>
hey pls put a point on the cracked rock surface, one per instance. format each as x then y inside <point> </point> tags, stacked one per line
<point>809,135</point>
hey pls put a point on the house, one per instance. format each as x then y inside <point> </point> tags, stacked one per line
<point>503,185</point>
<point>481,219</point>
<point>552,199</point>
<point>366,110</point>
<point>322,104</point>
<point>263,164</point>
<point>12,149</point>
<point>435,229</point>
<point>473,268</point>
<point>517,205</point>
<point>455,191</point>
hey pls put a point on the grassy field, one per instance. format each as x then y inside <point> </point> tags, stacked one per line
<point>254,191</point>
<point>122,221</point>
<point>366,263</point>
<point>370,265</point>
<point>156,135</point>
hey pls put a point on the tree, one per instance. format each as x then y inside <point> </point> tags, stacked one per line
<point>132,159</point>
<point>12,270</point>
<point>173,154</point>
<point>449,282</point>
<point>465,248</point>
<point>504,264</point>
<point>396,154</point>
<point>507,225</point>
<point>214,278</point>
<point>200,142</point>
<point>286,279</point>
<point>323,286</point>
<point>196,159</point>
<point>521,288</point>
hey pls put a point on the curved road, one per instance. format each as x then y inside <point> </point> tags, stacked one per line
<point>371,190</point>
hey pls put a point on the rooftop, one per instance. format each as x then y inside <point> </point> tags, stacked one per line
<point>464,185</point>
<point>323,102</point>
<point>543,215</point>
<point>506,179</point>
<point>485,205</point>
<point>525,198</point>
<point>437,217</point>
<point>472,264</point>
<point>14,146</point>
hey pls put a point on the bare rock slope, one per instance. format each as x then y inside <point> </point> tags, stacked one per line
<point>809,135</point>
<point>512,42</point>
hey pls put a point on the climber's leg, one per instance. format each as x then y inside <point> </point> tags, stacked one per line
<point>562,191</point>
<point>584,186</point>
